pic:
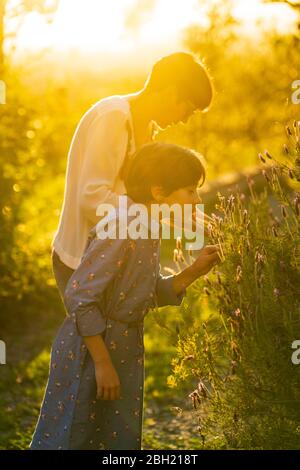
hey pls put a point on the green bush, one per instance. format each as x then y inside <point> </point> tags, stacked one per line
<point>24,259</point>
<point>248,389</point>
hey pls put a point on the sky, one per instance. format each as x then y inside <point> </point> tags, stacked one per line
<point>126,26</point>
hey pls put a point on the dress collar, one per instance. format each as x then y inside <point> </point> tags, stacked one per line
<point>150,226</point>
<point>148,223</point>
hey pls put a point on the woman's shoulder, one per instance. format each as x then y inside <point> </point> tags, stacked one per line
<point>111,109</point>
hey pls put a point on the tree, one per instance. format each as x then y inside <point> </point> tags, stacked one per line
<point>2,13</point>
<point>18,10</point>
<point>295,4</point>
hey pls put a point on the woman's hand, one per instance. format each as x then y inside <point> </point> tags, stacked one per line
<point>107,380</point>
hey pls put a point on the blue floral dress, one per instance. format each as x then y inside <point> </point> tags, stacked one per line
<point>111,291</point>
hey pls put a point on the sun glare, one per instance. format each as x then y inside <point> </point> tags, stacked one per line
<point>88,24</point>
<point>93,25</point>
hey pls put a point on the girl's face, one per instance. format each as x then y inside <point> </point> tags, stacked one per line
<point>181,196</point>
<point>186,195</point>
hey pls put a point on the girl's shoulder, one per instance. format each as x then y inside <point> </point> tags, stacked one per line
<point>119,229</point>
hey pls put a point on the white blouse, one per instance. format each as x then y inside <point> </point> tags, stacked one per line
<point>96,155</point>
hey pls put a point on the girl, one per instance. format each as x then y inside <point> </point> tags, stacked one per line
<point>94,395</point>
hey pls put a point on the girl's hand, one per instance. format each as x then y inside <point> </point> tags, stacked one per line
<point>207,259</point>
<point>107,380</point>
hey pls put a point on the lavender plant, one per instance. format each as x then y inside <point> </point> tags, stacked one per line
<point>247,392</point>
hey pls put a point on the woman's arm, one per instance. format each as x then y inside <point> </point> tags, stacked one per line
<point>104,153</point>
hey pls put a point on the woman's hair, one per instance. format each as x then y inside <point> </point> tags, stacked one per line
<point>189,76</point>
<point>160,164</point>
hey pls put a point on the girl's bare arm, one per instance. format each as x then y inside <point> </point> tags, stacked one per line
<point>208,258</point>
<point>108,383</point>
<point>97,349</point>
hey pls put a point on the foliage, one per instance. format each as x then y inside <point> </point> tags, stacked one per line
<point>12,10</point>
<point>252,76</point>
<point>241,355</point>
<point>22,169</point>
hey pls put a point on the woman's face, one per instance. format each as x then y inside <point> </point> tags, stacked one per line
<point>173,110</point>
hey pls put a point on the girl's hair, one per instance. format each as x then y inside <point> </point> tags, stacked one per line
<point>189,76</point>
<point>160,164</point>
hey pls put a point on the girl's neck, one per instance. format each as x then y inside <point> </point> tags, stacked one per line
<point>150,217</point>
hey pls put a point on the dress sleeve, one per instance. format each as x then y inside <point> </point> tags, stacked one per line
<point>165,293</point>
<point>101,262</point>
<point>104,153</point>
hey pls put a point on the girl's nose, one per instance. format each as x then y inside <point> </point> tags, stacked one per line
<point>197,199</point>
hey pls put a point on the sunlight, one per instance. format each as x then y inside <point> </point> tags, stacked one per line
<point>278,15</point>
<point>87,25</point>
<point>93,25</point>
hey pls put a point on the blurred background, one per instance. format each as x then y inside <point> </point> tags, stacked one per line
<point>57,58</point>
